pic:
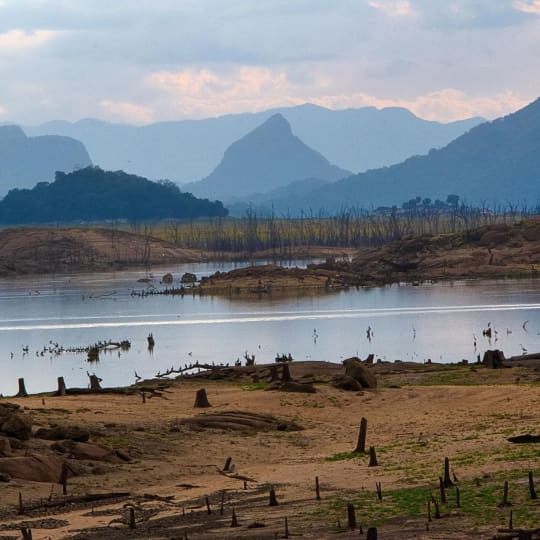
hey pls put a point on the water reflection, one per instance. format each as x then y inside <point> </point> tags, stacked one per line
<point>441,322</point>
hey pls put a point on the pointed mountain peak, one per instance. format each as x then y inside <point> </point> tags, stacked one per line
<point>275,124</point>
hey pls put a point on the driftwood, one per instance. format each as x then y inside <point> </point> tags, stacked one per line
<point>78,499</point>
<point>524,439</point>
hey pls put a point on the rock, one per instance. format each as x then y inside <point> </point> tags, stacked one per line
<point>35,468</point>
<point>347,383</point>
<point>291,386</point>
<point>90,451</point>
<point>4,477</point>
<point>18,426</point>
<point>357,370</point>
<point>167,279</point>
<point>59,433</point>
<point>188,277</point>
<point>5,447</point>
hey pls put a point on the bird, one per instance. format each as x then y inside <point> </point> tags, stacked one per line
<point>524,350</point>
<point>137,377</point>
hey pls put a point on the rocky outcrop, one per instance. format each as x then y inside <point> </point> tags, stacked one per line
<point>357,376</point>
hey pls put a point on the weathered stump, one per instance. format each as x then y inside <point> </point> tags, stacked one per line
<point>351,516</point>
<point>494,359</point>
<point>446,481</point>
<point>371,533</point>
<point>531,486</point>
<point>361,444</point>
<point>63,478</point>
<point>373,457</point>
<point>234,519</point>
<point>505,501</point>
<point>201,400</point>
<point>61,387</point>
<point>442,490</point>
<point>95,385</point>
<point>285,372</point>
<point>273,499</point>
<point>22,389</point>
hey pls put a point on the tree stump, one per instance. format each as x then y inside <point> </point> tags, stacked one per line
<point>201,400</point>
<point>93,354</point>
<point>63,478</point>
<point>61,387</point>
<point>372,457</point>
<point>371,533</point>
<point>273,499</point>
<point>351,516</point>
<point>273,373</point>
<point>505,501</point>
<point>361,444</point>
<point>531,486</point>
<point>94,383</point>
<point>494,359</point>
<point>442,490</point>
<point>22,389</point>
<point>285,372</point>
<point>447,482</point>
<point>234,519</point>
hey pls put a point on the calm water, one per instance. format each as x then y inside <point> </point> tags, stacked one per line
<point>437,321</point>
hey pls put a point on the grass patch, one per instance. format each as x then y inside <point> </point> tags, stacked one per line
<point>343,456</point>
<point>250,387</point>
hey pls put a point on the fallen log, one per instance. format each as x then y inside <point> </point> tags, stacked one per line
<point>78,499</point>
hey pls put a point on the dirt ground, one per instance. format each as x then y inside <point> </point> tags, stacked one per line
<point>418,416</point>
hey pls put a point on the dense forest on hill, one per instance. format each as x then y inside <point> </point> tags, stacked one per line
<point>92,194</point>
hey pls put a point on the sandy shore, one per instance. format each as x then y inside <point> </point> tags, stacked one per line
<point>465,413</point>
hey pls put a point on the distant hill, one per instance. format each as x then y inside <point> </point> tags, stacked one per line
<point>186,151</point>
<point>280,201</point>
<point>27,160</point>
<point>267,158</point>
<point>93,194</point>
<point>497,163</point>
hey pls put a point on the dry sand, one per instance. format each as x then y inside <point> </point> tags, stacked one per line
<point>413,427</point>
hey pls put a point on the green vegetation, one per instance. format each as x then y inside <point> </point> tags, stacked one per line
<point>92,194</point>
<point>479,504</point>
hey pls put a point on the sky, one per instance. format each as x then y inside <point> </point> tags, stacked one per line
<point>143,61</point>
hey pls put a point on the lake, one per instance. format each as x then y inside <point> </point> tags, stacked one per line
<point>440,321</point>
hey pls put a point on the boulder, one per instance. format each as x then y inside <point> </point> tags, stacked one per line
<point>18,426</point>
<point>34,468</point>
<point>90,451</point>
<point>358,371</point>
<point>188,277</point>
<point>167,279</point>
<point>347,383</point>
<point>5,447</point>
<point>59,433</point>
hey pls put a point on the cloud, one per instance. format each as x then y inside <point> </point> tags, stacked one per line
<point>528,6</point>
<point>198,93</point>
<point>392,8</point>
<point>124,111</point>
<point>16,40</point>
<point>445,105</point>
